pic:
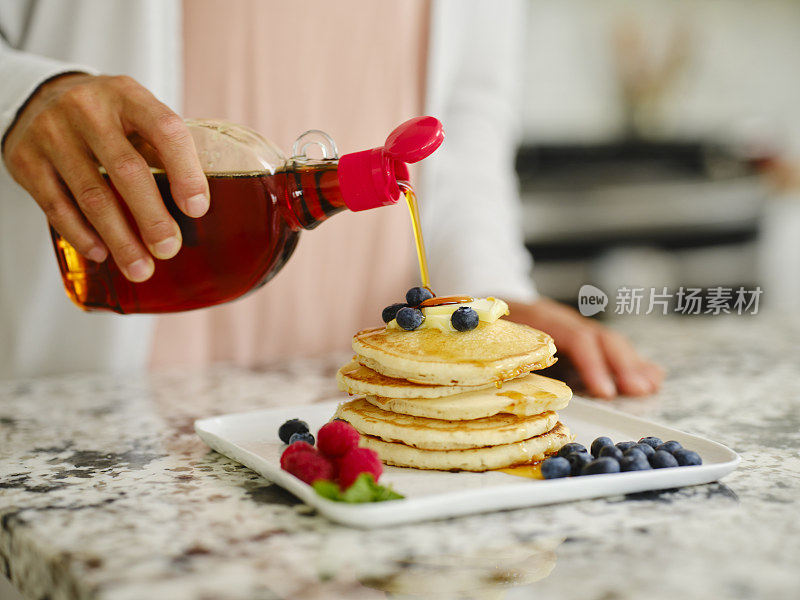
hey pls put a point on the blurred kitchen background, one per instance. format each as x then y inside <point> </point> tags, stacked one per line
<point>661,145</point>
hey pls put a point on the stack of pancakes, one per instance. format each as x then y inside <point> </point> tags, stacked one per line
<point>455,400</point>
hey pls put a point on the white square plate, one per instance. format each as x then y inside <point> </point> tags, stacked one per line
<point>252,439</point>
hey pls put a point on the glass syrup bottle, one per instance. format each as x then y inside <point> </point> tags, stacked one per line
<point>260,202</point>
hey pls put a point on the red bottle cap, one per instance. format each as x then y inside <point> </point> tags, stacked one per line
<point>368,179</point>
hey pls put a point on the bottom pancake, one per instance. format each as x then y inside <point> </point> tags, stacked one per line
<point>473,459</point>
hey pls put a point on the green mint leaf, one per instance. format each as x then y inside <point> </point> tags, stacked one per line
<point>328,489</point>
<point>384,493</point>
<point>363,489</point>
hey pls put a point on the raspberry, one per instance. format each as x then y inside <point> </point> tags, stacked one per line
<point>337,438</point>
<point>309,466</point>
<point>357,461</point>
<point>296,447</point>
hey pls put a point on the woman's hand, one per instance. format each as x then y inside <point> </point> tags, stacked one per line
<point>605,360</point>
<point>76,122</point>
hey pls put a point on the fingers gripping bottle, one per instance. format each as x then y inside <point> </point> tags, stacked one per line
<point>260,202</point>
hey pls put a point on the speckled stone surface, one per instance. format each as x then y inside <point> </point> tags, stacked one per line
<point>106,492</point>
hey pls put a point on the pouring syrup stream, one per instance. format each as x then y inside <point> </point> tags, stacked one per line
<point>413,209</point>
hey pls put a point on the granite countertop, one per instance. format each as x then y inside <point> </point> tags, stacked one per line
<point>106,492</point>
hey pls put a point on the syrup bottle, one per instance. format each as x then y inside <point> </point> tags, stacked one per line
<point>260,202</point>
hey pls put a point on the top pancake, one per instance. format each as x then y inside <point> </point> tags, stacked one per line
<point>491,352</point>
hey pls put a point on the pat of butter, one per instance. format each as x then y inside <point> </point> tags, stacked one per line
<point>438,317</point>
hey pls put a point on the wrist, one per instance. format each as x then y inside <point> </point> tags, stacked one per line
<point>41,96</point>
<point>51,88</point>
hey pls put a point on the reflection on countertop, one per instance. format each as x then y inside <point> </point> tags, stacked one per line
<point>108,493</point>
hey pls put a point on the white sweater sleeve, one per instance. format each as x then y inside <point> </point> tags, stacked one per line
<point>469,194</point>
<point>21,74</point>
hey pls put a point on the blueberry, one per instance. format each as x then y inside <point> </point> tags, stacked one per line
<point>636,453</point>
<point>302,436</point>
<point>670,446</point>
<point>651,441</point>
<point>464,319</point>
<point>687,458</point>
<point>578,460</point>
<point>409,318</point>
<point>390,312</point>
<point>417,295</point>
<point>625,445</point>
<point>611,452</point>
<point>599,443</point>
<point>646,448</point>
<point>555,467</point>
<point>634,460</point>
<point>571,447</point>
<point>662,459</point>
<point>601,465</point>
<point>291,426</point>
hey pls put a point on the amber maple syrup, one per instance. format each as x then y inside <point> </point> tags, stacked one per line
<point>445,300</point>
<point>413,209</point>
<point>248,233</point>
<point>532,470</point>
